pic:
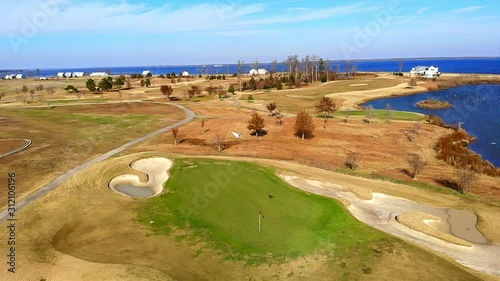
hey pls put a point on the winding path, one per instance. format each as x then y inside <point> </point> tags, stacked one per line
<point>21,204</point>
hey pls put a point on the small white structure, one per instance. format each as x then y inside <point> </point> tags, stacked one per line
<point>185,73</point>
<point>94,74</point>
<point>426,72</point>
<point>78,74</point>
<point>260,71</point>
<point>236,135</point>
<point>8,77</point>
<point>146,72</point>
<point>19,76</point>
<point>68,74</point>
<point>60,74</point>
<point>43,78</point>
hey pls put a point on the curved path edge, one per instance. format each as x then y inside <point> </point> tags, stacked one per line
<point>21,204</point>
<point>26,145</point>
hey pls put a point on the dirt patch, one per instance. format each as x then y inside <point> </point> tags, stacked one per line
<point>8,145</point>
<point>119,108</point>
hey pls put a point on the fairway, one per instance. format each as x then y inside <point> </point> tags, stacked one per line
<point>223,207</point>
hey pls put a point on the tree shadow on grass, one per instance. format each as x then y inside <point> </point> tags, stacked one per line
<point>449,184</point>
<point>406,172</point>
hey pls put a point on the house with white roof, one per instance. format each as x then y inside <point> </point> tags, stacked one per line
<point>426,72</point>
<point>68,74</point>
<point>146,72</point>
<point>60,74</point>
<point>19,76</point>
<point>185,73</point>
<point>8,77</point>
<point>78,74</point>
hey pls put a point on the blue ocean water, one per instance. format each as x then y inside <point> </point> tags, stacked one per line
<point>477,106</point>
<point>446,65</point>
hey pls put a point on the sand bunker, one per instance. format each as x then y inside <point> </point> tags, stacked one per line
<point>156,169</point>
<point>382,212</point>
<point>358,85</point>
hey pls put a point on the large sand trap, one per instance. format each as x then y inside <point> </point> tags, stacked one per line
<point>382,210</point>
<point>155,168</point>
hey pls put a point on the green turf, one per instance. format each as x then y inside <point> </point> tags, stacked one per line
<point>382,114</point>
<point>295,223</point>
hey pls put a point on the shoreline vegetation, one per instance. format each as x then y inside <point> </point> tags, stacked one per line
<point>434,104</point>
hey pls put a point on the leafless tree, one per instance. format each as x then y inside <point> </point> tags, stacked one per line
<point>202,126</point>
<point>412,83</point>
<point>401,64</point>
<point>352,160</point>
<point>219,142</point>
<point>24,89</point>
<point>466,179</point>
<point>416,163</point>
<point>389,111</point>
<point>279,118</point>
<point>210,90</point>
<point>347,113</point>
<point>50,90</point>
<point>416,127</point>
<point>275,66</point>
<point>240,72</point>
<point>2,94</point>
<point>370,113</point>
<point>175,131</point>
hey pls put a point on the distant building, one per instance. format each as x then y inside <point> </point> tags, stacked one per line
<point>68,74</point>
<point>146,72</point>
<point>260,71</point>
<point>19,76</point>
<point>185,73</point>
<point>8,77</point>
<point>43,78</point>
<point>426,72</point>
<point>94,74</point>
<point>60,74</point>
<point>78,74</point>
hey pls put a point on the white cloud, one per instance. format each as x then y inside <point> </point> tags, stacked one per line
<point>467,9</point>
<point>422,10</point>
<point>101,17</point>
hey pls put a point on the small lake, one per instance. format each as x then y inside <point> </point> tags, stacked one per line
<point>477,106</point>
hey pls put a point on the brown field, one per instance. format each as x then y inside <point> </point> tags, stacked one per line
<point>10,145</point>
<point>64,137</point>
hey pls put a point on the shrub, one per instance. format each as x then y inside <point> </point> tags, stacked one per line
<point>352,160</point>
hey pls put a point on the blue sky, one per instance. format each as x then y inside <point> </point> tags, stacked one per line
<point>71,33</point>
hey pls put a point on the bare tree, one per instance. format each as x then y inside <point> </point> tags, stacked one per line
<point>271,107</point>
<point>275,66</point>
<point>412,83</point>
<point>416,127</point>
<point>50,90</point>
<point>416,163</point>
<point>255,64</point>
<point>370,113</point>
<point>2,94</point>
<point>347,113</point>
<point>326,106</point>
<point>166,90</point>
<point>279,117</point>
<point>304,125</point>
<point>175,131</point>
<point>466,179</point>
<point>388,111</point>
<point>240,72</point>
<point>352,160</point>
<point>219,142</point>
<point>256,123</point>
<point>210,90</point>
<point>202,126</point>
<point>401,64</point>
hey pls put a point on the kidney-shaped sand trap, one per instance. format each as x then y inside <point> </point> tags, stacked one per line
<point>156,169</point>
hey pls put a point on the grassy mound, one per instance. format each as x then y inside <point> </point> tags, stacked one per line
<point>220,201</point>
<point>434,104</point>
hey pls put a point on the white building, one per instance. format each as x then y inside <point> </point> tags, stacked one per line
<point>427,72</point>
<point>78,74</point>
<point>68,74</point>
<point>260,71</point>
<point>19,76</point>
<point>60,74</point>
<point>94,74</point>
<point>8,77</point>
<point>185,73</point>
<point>146,72</point>
<point>43,78</point>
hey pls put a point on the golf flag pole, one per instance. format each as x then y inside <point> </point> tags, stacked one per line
<point>259,220</point>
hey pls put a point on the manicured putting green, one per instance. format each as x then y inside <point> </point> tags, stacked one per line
<point>220,202</point>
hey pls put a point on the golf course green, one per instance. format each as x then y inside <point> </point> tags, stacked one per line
<point>221,202</point>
